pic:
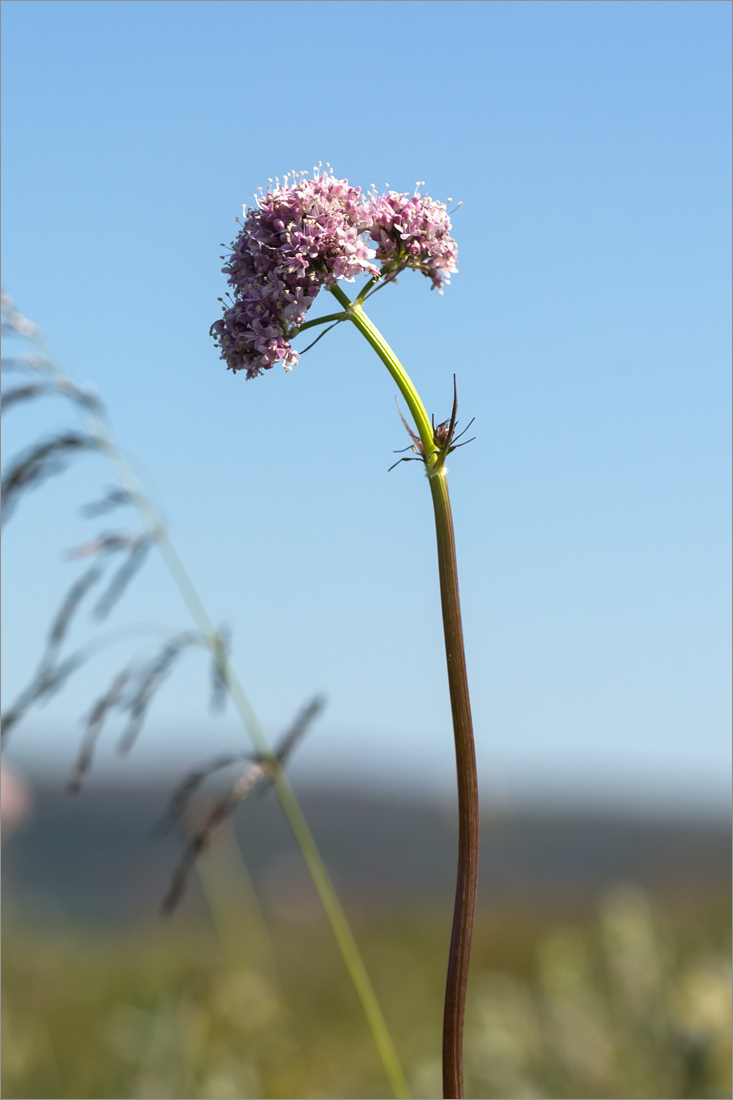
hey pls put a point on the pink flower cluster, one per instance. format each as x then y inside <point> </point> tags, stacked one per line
<point>309,234</point>
<point>413,231</point>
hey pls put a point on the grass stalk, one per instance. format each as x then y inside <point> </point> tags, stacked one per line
<point>287,798</point>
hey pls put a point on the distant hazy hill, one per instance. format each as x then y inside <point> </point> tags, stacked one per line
<point>94,857</point>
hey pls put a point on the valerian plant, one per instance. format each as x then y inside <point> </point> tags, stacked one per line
<point>310,234</point>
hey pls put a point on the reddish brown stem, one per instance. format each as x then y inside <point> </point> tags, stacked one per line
<point>468,812</point>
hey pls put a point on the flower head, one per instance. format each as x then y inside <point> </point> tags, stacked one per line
<point>308,234</point>
<point>296,240</point>
<point>413,231</point>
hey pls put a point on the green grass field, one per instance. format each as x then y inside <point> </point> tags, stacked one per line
<point>631,999</point>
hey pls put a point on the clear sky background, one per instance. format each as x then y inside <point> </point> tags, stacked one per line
<point>588,328</point>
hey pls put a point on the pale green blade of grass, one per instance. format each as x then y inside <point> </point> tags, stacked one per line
<point>204,623</point>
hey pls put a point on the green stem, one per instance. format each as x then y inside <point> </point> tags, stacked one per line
<point>319,321</point>
<point>344,938</point>
<point>364,292</point>
<point>422,421</point>
<point>468,808</point>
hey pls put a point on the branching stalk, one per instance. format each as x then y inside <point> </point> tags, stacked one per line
<point>321,321</point>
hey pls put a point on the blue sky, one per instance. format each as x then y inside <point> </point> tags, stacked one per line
<point>588,328</point>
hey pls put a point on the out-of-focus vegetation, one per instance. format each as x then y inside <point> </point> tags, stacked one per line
<point>629,1000</point>
<point>634,1006</point>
